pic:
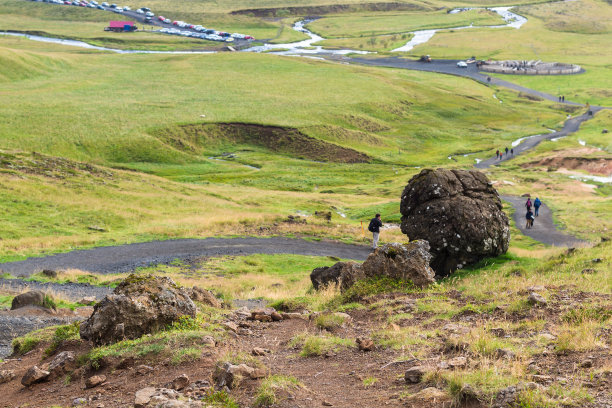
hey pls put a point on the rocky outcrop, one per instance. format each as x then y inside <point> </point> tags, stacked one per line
<point>408,262</point>
<point>203,296</point>
<point>62,363</point>
<point>32,298</point>
<point>139,305</point>
<point>343,274</point>
<point>34,375</point>
<point>459,213</point>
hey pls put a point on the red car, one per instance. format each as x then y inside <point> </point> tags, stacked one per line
<point>67,2</point>
<point>175,23</point>
<point>249,37</point>
<point>190,26</point>
<point>161,18</point>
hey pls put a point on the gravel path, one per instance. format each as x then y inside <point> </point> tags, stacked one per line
<point>570,126</point>
<point>126,258</point>
<point>544,229</point>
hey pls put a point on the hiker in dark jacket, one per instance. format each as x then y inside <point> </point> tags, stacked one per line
<point>374,228</point>
<point>528,204</point>
<point>536,205</point>
<point>529,217</point>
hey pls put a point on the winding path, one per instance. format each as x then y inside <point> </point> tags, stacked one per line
<point>544,229</point>
<point>126,258</point>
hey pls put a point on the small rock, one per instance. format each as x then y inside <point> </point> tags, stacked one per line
<point>262,317</point>
<point>277,317</point>
<point>32,298</point>
<point>180,382</point>
<point>415,374</point>
<point>429,397</point>
<point>143,369</point>
<point>34,375</point>
<point>587,363</point>
<point>498,332</point>
<point>143,397</point>
<point>258,351</point>
<point>63,362</point>
<point>596,260</point>
<point>209,341</point>
<point>505,353</point>
<point>455,328</point>
<point>230,326</point>
<point>365,344</point>
<point>457,362</point>
<point>79,401</point>
<point>258,373</point>
<point>542,379</point>
<point>536,299</point>
<point>604,131</point>
<point>88,300</point>
<point>6,376</point>
<point>327,404</point>
<point>49,273</point>
<point>547,336</point>
<point>94,381</point>
<point>294,315</point>
<point>203,296</point>
<point>589,271</point>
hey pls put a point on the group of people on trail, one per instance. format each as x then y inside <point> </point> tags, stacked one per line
<point>500,155</point>
<point>562,98</point>
<point>530,216</point>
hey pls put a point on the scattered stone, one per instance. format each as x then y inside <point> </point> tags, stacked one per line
<point>258,373</point>
<point>88,300</point>
<point>180,382</point>
<point>535,299</point>
<point>49,273</point>
<point>277,317</point>
<point>326,215</point>
<point>258,351</point>
<point>143,397</point>
<point>542,379</point>
<point>31,298</point>
<point>343,274</point>
<point>63,362</point>
<point>586,363</point>
<point>415,374</point>
<point>295,219</point>
<point>327,404</point>
<point>6,376</point>
<point>498,332</point>
<point>79,401</point>
<point>455,328</point>
<point>459,213</point>
<point>547,336</point>
<point>408,262</point>
<point>457,362</point>
<point>209,341</point>
<point>505,353</point>
<point>293,315</point>
<point>229,375</point>
<point>203,296</point>
<point>365,344</point>
<point>230,326</point>
<point>596,260</point>
<point>604,131</point>
<point>94,381</point>
<point>429,397</point>
<point>589,271</point>
<point>34,375</point>
<point>138,306</point>
<point>143,369</point>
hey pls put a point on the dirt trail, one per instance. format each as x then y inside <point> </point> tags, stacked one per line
<point>544,229</point>
<point>126,258</point>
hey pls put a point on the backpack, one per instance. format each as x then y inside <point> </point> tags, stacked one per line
<point>371,226</point>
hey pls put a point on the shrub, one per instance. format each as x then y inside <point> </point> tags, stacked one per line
<point>329,321</point>
<point>270,388</point>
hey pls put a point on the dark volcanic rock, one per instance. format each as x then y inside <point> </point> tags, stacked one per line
<point>139,305</point>
<point>32,298</point>
<point>343,274</point>
<point>408,262</point>
<point>459,213</point>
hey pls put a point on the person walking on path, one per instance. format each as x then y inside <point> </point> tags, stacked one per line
<point>512,151</point>
<point>536,206</point>
<point>529,217</point>
<point>506,151</point>
<point>497,154</point>
<point>528,204</point>
<point>374,228</point>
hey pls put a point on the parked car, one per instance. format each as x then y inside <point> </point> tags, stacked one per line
<point>113,6</point>
<point>105,4</point>
<point>149,14</point>
<point>139,11</point>
<point>99,7</point>
<point>167,21</point>
<point>126,8</point>
<point>462,64</point>
<point>145,9</point>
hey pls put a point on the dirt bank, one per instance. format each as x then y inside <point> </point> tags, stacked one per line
<point>329,9</point>
<point>594,165</point>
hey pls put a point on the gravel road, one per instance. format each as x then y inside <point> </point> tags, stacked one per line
<point>126,258</point>
<point>544,229</point>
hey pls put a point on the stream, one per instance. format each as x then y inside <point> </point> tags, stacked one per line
<point>299,48</point>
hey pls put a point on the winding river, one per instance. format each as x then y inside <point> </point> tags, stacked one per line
<point>304,47</point>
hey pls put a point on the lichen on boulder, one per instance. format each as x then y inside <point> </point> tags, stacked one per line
<point>138,306</point>
<point>459,213</point>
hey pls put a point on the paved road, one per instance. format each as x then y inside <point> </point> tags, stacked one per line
<point>570,126</point>
<point>544,229</point>
<point>126,258</point>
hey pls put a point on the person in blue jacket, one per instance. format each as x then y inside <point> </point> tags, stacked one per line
<point>536,205</point>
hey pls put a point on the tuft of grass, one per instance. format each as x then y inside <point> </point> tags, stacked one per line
<point>219,399</point>
<point>62,333</point>
<point>369,381</point>
<point>317,345</point>
<point>29,341</point>
<point>329,321</point>
<point>271,389</point>
<point>186,354</point>
<point>582,337</point>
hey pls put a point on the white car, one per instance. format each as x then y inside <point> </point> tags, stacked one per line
<point>139,11</point>
<point>126,8</point>
<point>462,64</point>
<point>149,14</point>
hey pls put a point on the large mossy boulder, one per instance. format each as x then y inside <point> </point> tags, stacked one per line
<point>342,274</point>
<point>459,213</point>
<point>407,262</point>
<point>138,306</point>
